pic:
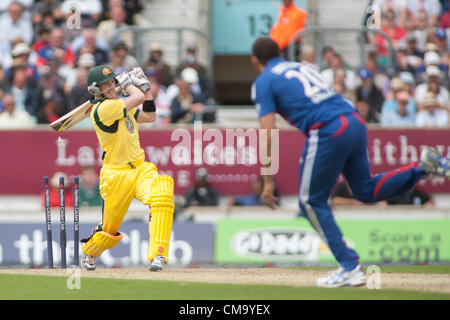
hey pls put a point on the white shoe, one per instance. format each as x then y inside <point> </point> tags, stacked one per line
<point>88,262</point>
<point>434,163</point>
<point>157,263</point>
<point>342,278</point>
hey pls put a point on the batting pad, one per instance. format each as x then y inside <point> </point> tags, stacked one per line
<point>100,242</point>
<point>162,208</point>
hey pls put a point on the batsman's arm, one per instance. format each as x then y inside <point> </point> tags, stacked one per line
<point>135,98</point>
<point>145,115</point>
<point>267,123</point>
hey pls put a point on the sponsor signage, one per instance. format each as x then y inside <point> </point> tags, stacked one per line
<point>230,155</point>
<point>294,241</point>
<point>25,244</point>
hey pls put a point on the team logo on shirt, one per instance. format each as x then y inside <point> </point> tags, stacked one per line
<point>129,124</point>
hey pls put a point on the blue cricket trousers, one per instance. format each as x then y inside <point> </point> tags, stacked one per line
<point>341,146</point>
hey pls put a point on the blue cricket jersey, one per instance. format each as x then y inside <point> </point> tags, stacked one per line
<point>298,93</point>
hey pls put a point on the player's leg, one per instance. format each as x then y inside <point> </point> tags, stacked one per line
<point>379,187</point>
<point>323,159</point>
<point>157,191</point>
<point>117,189</point>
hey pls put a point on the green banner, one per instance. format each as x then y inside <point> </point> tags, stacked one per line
<point>410,241</point>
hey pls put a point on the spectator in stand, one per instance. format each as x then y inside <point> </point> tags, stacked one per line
<point>202,193</point>
<point>106,29</point>
<point>90,45</point>
<point>327,56</point>
<point>408,82</point>
<point>43,39</point>
<point>14,26</point>
<point>379,73</point>
<point>369,93</point>
<point>21,57</point>
<point>291,19</point>
<point>432,58</point>
<point>308,57</point>
<point>191,61</point>
<point>431,115</point>
<point>401,117</point>
<point>85,62</point>
<point>79,93</point>
<point>336,63</point>
<point>444,22</point>
<point>163,70</point>
<point>422,30</point>
<point>132,9</point>
<point>433,77</point>
<point>121,60</point>
<point>399,7</point>
<point>41,8</point>
<point>51,97</point>
<point>11,118</point>
<point>403,63</point>
<point>432,7</point>
<point>25,95</point>
<point>414,54</point>
<point>89,188</point>
<point>443,48</point>
<point>56,48</point>
<point>366,112</point>
<point>389,104</point>
<point>340,86</point>
<point>186,106</point>
<point>159,96</point>
<point>393,30</point>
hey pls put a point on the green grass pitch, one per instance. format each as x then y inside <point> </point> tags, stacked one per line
<point>30,287</point>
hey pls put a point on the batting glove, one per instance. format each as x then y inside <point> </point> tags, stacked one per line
<point>139,79</point>
<point>124,81</point>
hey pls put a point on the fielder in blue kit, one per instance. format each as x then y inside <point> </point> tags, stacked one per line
<point>336,143</point>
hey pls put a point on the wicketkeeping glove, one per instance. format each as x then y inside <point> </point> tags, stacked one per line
<point>139,79</point>
<point>124,81</point>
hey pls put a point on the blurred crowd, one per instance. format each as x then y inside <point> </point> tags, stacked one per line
<point>413,92</point>
<point>47,47</point>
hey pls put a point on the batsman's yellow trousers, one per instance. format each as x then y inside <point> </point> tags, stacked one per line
<point>119,184</point>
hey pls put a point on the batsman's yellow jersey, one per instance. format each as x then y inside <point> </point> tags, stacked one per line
<point>117,132</point>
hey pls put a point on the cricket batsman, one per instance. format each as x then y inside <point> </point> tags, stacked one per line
<point>125,174</point>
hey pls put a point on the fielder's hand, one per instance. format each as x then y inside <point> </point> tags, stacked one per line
<point>139,79</point>
<point>124,81</point>
<point>268,194</point>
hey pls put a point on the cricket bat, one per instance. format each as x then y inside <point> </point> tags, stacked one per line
<point>73,117</point>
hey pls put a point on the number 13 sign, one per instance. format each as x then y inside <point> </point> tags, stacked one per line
<point>237,23</point>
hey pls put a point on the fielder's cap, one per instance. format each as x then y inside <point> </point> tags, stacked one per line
<point>100,74</point>
<point>201,173</point>
<point>440,33</point>
<point>365,74</point>
<point>19,49</point>
<point>407,77</point>
<point>429,100</point>
<point>431,58</point>
<point>396,84</point>
<point>189,75</point>
<point>431,46</point>
<point>433,71</point>
<point>86,60</point>
<point>156,47</point>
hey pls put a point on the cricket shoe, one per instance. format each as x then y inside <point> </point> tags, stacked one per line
<point>343,278</point>
<point>88,262</point>
<point>157,264</point>
<point>434,163</point>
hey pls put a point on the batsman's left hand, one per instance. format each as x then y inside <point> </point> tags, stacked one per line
<point>139,79</point>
